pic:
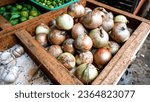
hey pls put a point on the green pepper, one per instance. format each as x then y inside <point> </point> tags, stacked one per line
<point>19,7</point>
<point>14,21</point>
<point>22,19</point>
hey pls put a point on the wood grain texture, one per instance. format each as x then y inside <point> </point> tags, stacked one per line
<point>50,65</point>
<point>124,56</point>
<point>4,23</point>
<point>6,2</point>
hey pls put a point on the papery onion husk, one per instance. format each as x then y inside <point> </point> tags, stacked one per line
<point>120,32</point>
<point>68,46</point>
<point>86,73</point>
<point>113,46</point>
<point>102,56</point>
<point>76,10</point>
<point>64,22</point>
<point>108,23</point>
<point>83,43</point>
<point>78,29</point>
<point>67,59</point>
<point>120,18</point>
<point>55,50</point>
<point>99,37</point>
<point>84,57</point>
<point>92,19</point>
<point>56,36</point>
<point>87,9</point>
<point>42,28</point>
<point>42,39</point>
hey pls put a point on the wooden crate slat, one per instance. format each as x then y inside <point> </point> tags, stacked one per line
<point>124,57</point>
<point>49,63</point>
<point>6,2</point>
<point>4,23</point>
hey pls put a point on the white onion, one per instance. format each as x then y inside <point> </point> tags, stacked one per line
<point>76,10</point>
<point>121,18</point>
<point>42,39</point>
<point>113,46</point>
<point>78,29</point>
<point>18,51</point>
<point>86,73</point>
<point>99,37</point>
<point>120,32</point>
<point>87,9</point>
<point>42,28</point>
<point>64,21</point>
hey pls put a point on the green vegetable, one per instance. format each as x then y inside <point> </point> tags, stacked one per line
<point>14,16</point>
<point>6,15</point>
<point>33,13</point>
<point>14,22</point>
<point>8,7</point>
<point>24,9</point>
<point>19,7</point>
<point>22,19</point>
<point>13,9</point>
<point>24,14</point>
<point>30,17</point>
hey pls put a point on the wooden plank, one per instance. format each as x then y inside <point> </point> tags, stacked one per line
<point>6,2</point>
<point>50,65</point>
<point>4,23</point>
<point>118,11</point>
<point>123,58</point>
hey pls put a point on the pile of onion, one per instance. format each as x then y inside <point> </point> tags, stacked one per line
<point>84,40</point>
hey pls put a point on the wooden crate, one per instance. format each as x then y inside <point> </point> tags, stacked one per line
<point>55,70</point>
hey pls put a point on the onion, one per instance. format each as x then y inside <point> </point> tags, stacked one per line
<point>56,36</point>
<point>84,57</point>
<point>99,37</point>
<point>121,18</point>
<point>86,73</point>
<point>108,23</point>
<point>42,28</point>
<point>76,10</point>
<point>78,29</point>
<point>83,43</point>
<point>102,12</point>
<point>120,32</point>
<point>113,46</point>
<point>102,56</point>
<point>87,10</point>
<point>42,39</point>
<point>92,20</point>
<point>68,46</point>
<point>18,51</point>
<point>67,59</point>
<point>55,50</point>
<point>64,21</point>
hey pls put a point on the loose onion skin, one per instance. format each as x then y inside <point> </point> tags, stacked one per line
<point>78,29</point>
<point>76,10</point>
<point>120,32</point>
<point>92,19</point>
<point>67,59</point>
<point>108,23</point>
<point>57,37</point>
<point>84,57</point>
<point>68,46</point>
<point>42,28</point>
<point>64,22</point>
<point>86,72</point>
<point>113,46</point>
<point>83,43</point>
<point>102,56</point>
<point>55,50</point>
<point>99,37</point>
<point>42,39</point>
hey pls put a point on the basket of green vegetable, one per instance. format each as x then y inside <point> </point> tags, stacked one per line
<point>19,12</point>
<point>53,4</point>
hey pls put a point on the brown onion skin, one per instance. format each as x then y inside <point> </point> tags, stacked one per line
<point>67,59</point>
<point>55,50</point>
<point>42,39</point>
<point>84,57</point>
<point>120,32</point>
<point>83,43</point>
<point>57,37</point>
<point>102,56</point>
<point>78,29</point>
<point>68,46</point>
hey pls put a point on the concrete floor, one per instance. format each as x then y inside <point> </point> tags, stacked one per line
<point>139,71</point>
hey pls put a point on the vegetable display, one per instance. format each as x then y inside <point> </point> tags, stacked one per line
<point>20,12</point>
<point>87,41</point>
